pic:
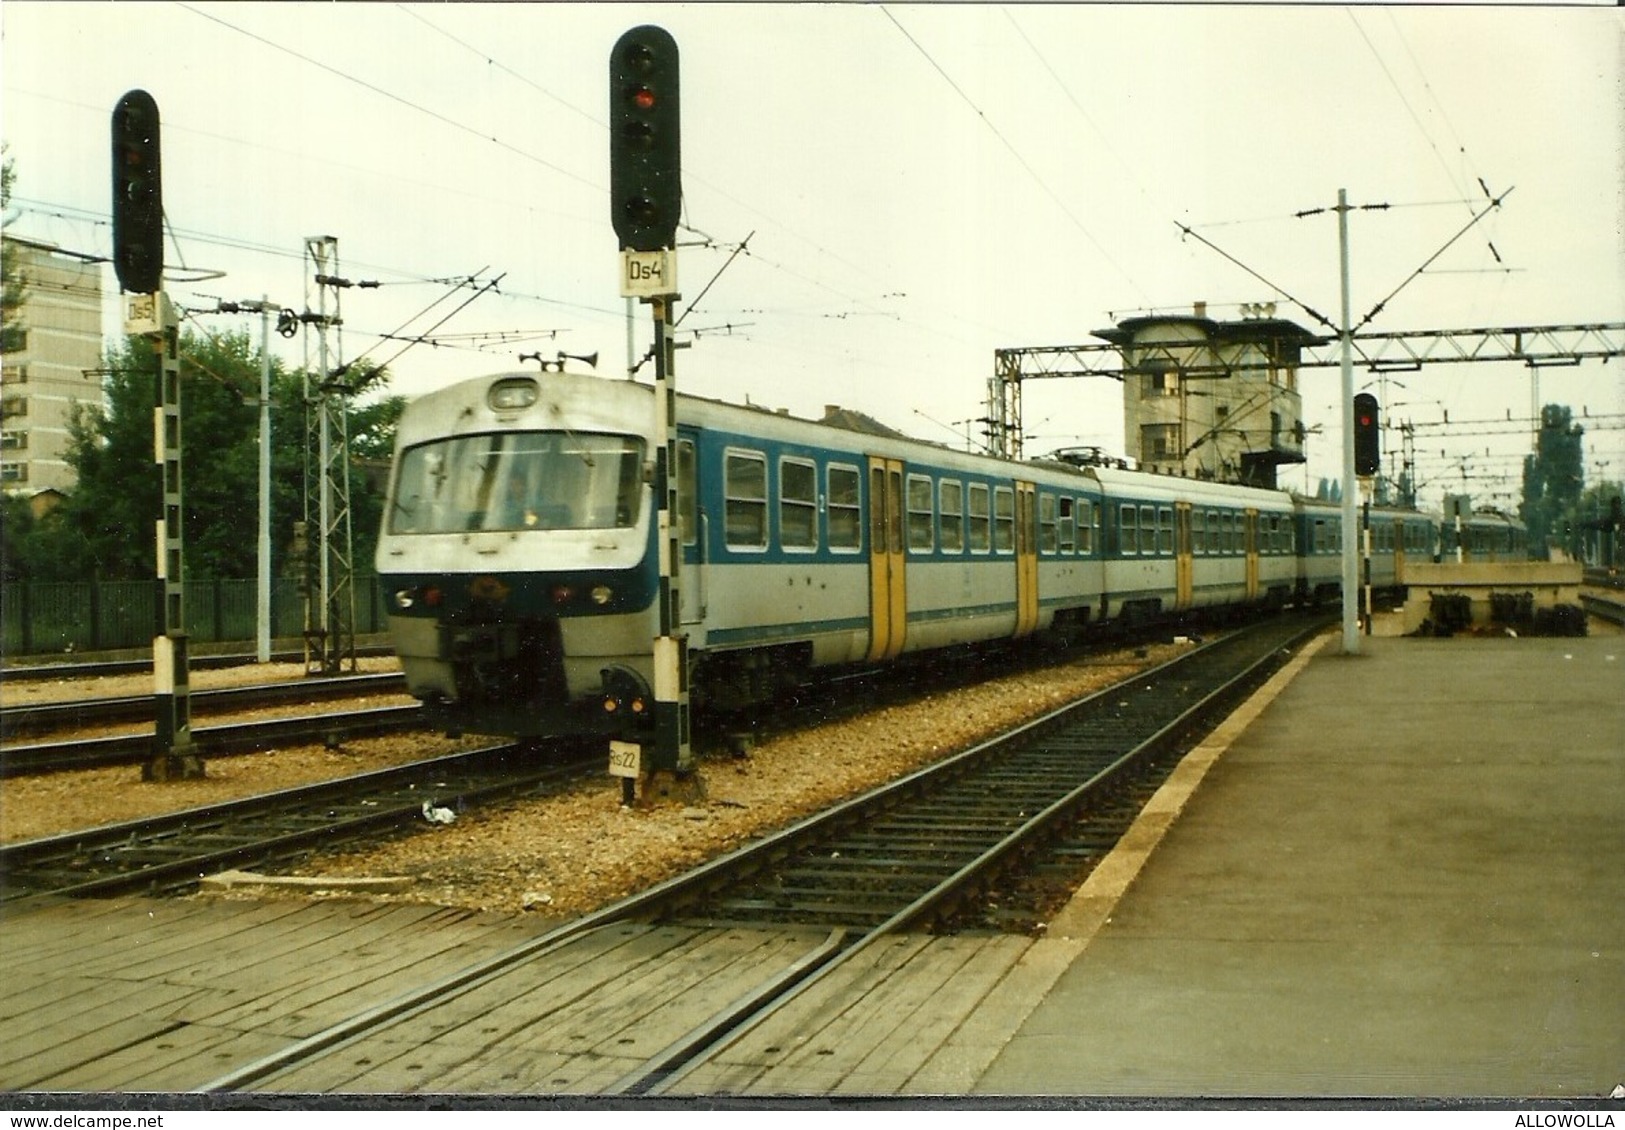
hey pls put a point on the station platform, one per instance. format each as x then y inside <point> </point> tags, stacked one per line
<point>1404,877</point>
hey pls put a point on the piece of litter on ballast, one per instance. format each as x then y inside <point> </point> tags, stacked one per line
<point>437,815</point>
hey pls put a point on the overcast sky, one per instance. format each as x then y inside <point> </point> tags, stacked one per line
<point>920,185</point>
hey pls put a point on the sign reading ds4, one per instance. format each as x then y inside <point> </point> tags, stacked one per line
<point>648,274</point>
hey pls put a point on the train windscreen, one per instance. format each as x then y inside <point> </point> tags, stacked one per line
<point>514,481</point>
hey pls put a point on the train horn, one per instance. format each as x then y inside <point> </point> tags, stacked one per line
<point>557,366</point>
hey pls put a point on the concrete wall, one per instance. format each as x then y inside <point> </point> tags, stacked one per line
<point>1549,583</point>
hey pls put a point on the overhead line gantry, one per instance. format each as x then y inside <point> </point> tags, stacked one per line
<point>1403,351</point>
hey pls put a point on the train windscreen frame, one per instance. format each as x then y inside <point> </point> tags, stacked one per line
<point>517,482</point>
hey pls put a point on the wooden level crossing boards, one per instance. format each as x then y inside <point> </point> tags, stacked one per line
<point>910,1015</point>
<point>573,1022</point>
<point>165,995</point>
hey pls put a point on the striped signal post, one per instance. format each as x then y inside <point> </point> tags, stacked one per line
<point>138,260</point>
<point>673,752</point>
<point>645,200</point>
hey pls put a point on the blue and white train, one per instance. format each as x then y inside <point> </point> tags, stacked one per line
<point>519,549</point>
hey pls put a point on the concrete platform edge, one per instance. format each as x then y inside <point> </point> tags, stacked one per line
<point>1092,906</point>
<point>967,1055</point>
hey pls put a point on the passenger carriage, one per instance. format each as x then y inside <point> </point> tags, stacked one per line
<point>520,549</point>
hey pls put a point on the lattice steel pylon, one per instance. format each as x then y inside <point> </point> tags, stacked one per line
<point>329,632</point>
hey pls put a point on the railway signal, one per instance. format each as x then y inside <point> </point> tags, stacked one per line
<point>1367,436</point>
<point>645,154</point>
<point>645,174</point>
<point>138,259</point>
<point>138,199</point>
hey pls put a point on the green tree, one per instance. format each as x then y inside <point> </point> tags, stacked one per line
<point>13,286</point>
<point>17,540</point>
<point>372,429</point>
<point>1553,479</point>
<point>104,529</point>
<point>1592,521</point>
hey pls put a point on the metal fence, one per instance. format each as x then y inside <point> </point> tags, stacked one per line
<point>56,619</point>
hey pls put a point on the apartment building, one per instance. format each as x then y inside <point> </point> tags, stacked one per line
<point>57,367</point>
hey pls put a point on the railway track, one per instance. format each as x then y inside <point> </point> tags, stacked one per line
<point>1608,608</point>
<point>172,852</point>
<point>45,718</point>
<point>1605,578</point>
<point>211,741</point>
<point>923,850</point>
<point>88,668</point>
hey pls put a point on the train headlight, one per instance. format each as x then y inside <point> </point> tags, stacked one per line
<point>405,598</point>
<point>512,394</point>
<point>601,594</point>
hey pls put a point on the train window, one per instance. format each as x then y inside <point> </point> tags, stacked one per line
<point>1048,520</point>
<point>1198,532</point>
<point>1128,530</point>
<point>920,516</point>
<point>1148,529</point>
<point>1066,529</point>
<point>512,481</point>
<point>745,499</point>
<point>1087,517</point>
<point>980,538</point>
<point>1004,520</point>
<point>845,508</point>
<point>1165,530</point>
<point>798,504</point>
<point>951,494</point>
<point>687,495</point>
<point>1213,531</point>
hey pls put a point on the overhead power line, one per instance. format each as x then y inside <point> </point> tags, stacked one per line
<point>444,119</point>
<point>1016,153</point>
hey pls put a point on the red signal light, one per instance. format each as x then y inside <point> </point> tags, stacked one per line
<point>643,98</point>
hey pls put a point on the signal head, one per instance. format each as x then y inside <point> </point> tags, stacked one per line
<point>1367,435</point>
<point>138,204</point>
<point>645,154</point>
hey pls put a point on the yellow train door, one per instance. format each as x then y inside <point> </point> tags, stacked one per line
<point>1252,555</point>
<point>888,608</point>
<point>1184,580</point>
<point>1026,559</point>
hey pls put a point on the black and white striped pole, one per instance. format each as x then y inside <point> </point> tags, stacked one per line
<point>645,201</point>
<point>138,260</point>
